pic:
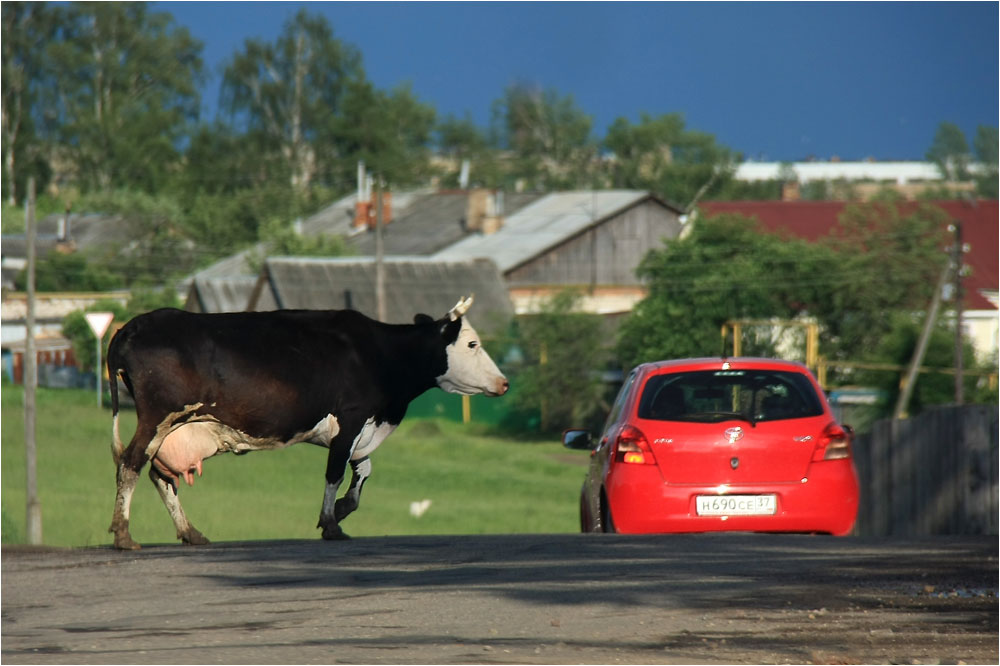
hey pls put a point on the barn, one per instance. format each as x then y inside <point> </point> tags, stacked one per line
<point>412,285</point>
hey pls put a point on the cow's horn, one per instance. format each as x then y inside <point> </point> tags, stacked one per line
<point>460,308</point>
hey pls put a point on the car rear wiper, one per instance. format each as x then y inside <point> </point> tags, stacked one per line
<point>730,415</point>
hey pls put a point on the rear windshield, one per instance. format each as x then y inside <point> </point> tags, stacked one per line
<point>711,396</point>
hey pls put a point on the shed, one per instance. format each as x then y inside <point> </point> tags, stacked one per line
<point>220,294</point>
<point>592,239</point>
<point>412,285</point>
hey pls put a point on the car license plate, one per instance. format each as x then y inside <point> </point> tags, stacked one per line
<point>736,505</point>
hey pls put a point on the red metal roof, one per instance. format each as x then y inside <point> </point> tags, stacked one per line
<point>812,220</point>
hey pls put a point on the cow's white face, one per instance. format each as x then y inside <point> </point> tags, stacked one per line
<point>470,368</point>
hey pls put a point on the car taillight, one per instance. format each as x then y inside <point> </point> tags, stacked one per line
<point>834,444</point>
<point>632,447</point>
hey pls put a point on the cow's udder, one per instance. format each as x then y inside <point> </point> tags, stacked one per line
<point>182,450</point>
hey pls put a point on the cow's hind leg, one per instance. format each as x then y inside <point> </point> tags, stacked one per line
<point>186,532</point>
<point>126,477</point>
<point>361,470</point>
<point>129,463</point>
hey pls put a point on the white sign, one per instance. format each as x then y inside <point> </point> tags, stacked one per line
<point>99,322</point>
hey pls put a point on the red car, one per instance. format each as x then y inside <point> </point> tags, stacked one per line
<point>704,445</point>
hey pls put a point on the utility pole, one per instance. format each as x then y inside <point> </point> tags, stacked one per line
<point>379,255</point>
<point>957,252</point>
<point>906,385</point>
<point>33,517</point>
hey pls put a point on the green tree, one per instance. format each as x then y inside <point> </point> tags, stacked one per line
<point>27,28</point>
<point>725,269</point>
<point>220,161</point>
<point>283,240</point>
<point>564,353</point>
<point>70,272</point>
<point>152,248</point>
<point>549,136</point>
<point>886,262</point>
<point>950,151</point>
<point>877,262</point>
<point>986,145</point>
<point>289,94</point>
<point>389,132</point>
<point>659,154</point>
<point>931,388</point>
<point>124,86</point>
<point>460,139</point>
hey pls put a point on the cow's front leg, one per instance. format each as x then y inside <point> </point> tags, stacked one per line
<point>360,471</point>
<point>336,466</point>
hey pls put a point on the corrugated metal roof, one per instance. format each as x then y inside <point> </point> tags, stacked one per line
<point>538,227</point>
<point>424,222</point>
<point>412,285</point>
<point>220,294</point>
<point>235,265</point>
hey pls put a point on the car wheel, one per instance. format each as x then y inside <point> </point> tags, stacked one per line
<point>606,523</point>
<point>585,525</point>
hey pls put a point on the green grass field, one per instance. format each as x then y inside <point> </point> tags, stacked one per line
<point>477,483</point>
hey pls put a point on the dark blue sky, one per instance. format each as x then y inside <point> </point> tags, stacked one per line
<point>775,81</point>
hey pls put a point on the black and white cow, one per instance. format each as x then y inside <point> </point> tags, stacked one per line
<point>205,384</point>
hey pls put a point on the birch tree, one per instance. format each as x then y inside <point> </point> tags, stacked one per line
<point>290,92</point>
<point>124,88</point>
<point>27,27</point>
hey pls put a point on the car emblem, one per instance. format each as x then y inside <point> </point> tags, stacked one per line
<point>734,434</point>
<point>734,462</point>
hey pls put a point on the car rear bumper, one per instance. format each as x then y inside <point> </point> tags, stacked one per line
<point>826,501</point>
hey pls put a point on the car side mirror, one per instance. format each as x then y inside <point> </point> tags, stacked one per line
<point>578,439</point>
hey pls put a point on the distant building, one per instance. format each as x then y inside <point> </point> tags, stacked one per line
<point>541,243</point>
<point>412,285</point>
<point>863,179</point>
<point>812,220</point>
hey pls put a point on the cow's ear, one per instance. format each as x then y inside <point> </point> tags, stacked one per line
<point>423,319</point>
<point>450,330</point>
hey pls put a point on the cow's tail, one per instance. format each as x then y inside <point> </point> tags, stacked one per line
<point>114,368</point>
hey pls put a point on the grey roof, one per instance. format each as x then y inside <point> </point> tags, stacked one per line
<point>338,217</point>
<point>236,265</point>
<point>220,294</point>
<point>538,227</point>
<point>431,224</point>
<point>423,222</point>
<point>412,285</point>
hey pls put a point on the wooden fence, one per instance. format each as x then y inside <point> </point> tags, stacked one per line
<point>935,473</point>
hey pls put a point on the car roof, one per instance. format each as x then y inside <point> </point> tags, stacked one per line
<point>717,362</point>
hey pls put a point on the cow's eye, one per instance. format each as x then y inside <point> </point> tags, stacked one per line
<point>473,344</point>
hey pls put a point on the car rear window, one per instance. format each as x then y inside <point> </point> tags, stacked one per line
<point>710,396</point>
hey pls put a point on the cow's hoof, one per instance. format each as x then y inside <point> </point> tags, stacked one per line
<point>125,543</point>
<point>334,534</point>
<point>194,538</point>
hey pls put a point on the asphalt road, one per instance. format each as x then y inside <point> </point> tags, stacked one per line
<point>508,599</point>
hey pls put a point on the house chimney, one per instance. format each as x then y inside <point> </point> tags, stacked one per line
<point>475,209</point>
<point>493,219</point>
<point>65,226</point>
<point>362,206</point>
<point>463,176</point>
<point>790,190</point>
